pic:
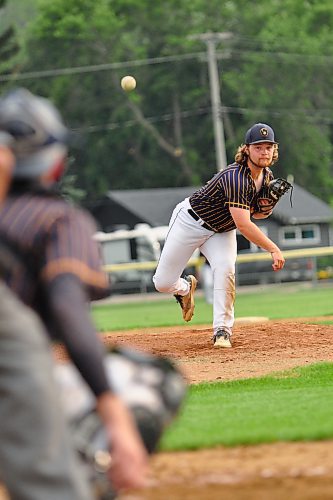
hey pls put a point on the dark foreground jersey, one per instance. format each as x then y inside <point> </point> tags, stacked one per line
<point>49,237</point>
<point>231,187</point>
<point>49,258</point>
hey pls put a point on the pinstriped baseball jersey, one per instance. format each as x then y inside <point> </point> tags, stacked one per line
<point>231,187</point>
<point>53,238</point>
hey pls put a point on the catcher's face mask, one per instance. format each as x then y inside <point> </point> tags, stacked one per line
<point>39,136</point>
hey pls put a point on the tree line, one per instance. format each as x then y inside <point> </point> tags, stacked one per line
<point>275,67</point>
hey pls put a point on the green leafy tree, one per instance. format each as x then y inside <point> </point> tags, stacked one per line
<point>8,43</point>
<point>71,33</point>
<point>276,68</point>
<point>285,78</point>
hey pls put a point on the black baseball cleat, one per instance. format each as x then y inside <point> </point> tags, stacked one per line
<point>186,302</point>
<point>222,338</point>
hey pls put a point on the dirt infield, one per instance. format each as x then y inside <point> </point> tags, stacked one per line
<point>295,471</point>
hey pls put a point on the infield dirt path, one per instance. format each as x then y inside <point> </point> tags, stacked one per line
<point>282,471</point>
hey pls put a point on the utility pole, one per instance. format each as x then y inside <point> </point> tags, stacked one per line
<point>211,39</point>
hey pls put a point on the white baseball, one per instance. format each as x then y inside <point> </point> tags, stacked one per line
<point>128,83</point>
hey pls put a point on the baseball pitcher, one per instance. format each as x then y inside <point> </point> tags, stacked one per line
<point>208,220</point>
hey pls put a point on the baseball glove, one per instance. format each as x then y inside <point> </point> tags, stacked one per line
<point>270,194</point>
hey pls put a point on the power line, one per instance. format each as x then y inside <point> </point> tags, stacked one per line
<point>293,114</point>
<point>318,60</point>
<point>152,119</point>
<point>279,43</point>
<point>100,67</point>
<point>319,116</point>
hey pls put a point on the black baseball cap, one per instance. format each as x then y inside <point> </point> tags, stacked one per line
<point>260,132</point>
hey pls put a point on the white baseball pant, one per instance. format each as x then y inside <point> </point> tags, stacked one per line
<point>185,235</point>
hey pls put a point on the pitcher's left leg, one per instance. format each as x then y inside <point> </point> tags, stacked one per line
<point>221,252</point>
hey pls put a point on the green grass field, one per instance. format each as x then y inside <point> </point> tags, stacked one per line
<point>290,406</point>
<point>273,303</point>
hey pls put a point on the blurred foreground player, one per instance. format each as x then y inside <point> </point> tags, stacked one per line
<point>36,458</point>
<point>49,259</point>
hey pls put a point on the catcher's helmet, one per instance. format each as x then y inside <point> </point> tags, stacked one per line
<point>39,134</point>
<point>260,132</point>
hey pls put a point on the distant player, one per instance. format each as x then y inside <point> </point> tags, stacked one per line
<point>208,220</point>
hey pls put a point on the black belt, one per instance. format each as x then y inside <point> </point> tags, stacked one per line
<point>196,217</point>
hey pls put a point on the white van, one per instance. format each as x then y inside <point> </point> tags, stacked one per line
<point>140,245</point>
<point>130,257</point>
